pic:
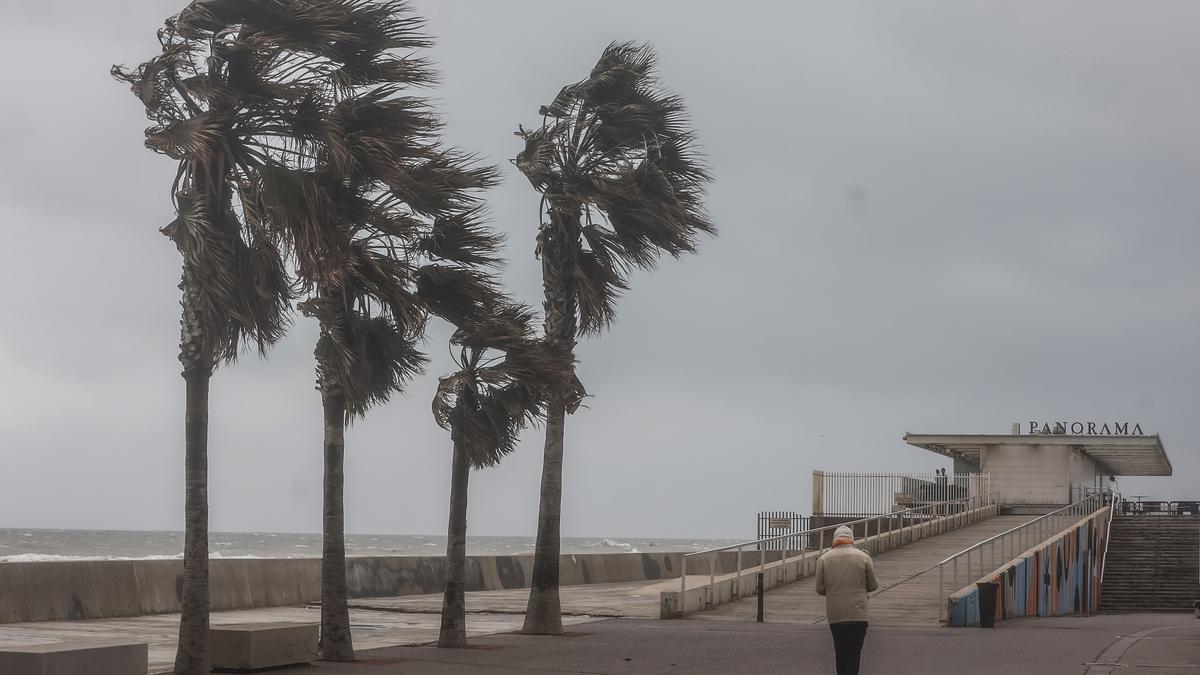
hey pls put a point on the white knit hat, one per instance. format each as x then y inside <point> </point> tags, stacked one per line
<point>843,532</point>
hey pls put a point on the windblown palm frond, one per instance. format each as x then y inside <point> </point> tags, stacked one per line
<point>462,238</point>
<point>365,358</point>
<point>457,294</point>
<point>505,378</point>
<point>617,147</point>
<point>236,289</point>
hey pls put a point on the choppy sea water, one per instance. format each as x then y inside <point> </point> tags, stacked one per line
<point>27,545</point>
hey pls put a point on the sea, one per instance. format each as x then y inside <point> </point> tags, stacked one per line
<point>32,545</point>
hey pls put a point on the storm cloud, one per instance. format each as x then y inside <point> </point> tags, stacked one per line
<point>934,217</point>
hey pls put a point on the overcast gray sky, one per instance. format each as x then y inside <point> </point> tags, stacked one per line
<point>934,217</point>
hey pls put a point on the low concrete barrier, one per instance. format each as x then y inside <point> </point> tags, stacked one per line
<point>98,589</point>
<point>257,646</point>
<point>76,658</point>
<point>1058,577</point>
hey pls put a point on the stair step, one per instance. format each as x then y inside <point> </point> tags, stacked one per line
<point>1152,565</point>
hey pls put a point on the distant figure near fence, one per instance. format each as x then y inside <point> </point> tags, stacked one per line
<point>845,575</point>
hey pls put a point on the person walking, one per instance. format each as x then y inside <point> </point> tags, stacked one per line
<point>845,575</point>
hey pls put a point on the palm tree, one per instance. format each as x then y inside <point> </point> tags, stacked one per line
<point>238,95</point>
<point>484,406</point>
<point>621,183</point>
<point>371,318</point>
<point>394,237</point>
<point>363,356</point>
<point>234,286</point>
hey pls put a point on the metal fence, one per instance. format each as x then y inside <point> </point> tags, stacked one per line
<point>973,563</point>
<point>772,524</point>
<point>869,494</point>
<point>1159,508</point>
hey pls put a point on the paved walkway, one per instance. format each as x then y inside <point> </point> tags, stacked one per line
<point>907,589</point>
<point>371,629</point>
<point>1169,644</point>
<point>637,599</point>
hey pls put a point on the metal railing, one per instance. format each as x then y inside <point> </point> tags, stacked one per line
<point>980,559</point>
<point>877,532</point>
<point>776,523</point>
<point>1113,501</point>
<point>1159,508</point>
<point>868,494</point>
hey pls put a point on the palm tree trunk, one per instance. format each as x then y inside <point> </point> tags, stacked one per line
<point>336,642</point>
<point>191,656</point>
<point>560,244</point>
<point>454,605</point>
<point>543,615</point>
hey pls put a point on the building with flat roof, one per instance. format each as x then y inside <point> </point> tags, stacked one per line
<point>1052,463</point>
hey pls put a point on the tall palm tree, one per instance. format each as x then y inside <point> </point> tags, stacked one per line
<point>621,183</point>
<point>504,377</point>
<point>234,286</point>
<point>363,356</point>
<point>238,93</point>
<point>385,231</point>
<point>371,319</point>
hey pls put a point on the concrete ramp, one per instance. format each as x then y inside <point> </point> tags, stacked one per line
<point>907,594</point>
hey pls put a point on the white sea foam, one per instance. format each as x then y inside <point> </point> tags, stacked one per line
<point>54,557</point>
<point>615,544</point>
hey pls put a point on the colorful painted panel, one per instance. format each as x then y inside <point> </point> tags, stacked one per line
<point>1060,578</point>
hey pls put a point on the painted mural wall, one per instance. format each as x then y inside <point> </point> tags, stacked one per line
<point>1060,578</point>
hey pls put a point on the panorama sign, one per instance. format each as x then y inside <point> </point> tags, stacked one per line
<point>1087,428</point>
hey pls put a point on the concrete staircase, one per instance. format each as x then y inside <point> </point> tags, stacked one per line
<point>1153,564</point>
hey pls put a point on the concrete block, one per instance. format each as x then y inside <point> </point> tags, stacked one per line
<point>103,589</point>
<point>158,584</point>
<point>253,646</point>
<point>76,658</point>
<point>291,581</point>
<point>514,571</point>
<point>573,569</point>
<point>14,601</point>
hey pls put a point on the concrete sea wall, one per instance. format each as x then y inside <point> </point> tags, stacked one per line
<point>1057,578</point>
<point>97,589</point>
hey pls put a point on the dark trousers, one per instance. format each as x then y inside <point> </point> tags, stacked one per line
<point>848,639</point>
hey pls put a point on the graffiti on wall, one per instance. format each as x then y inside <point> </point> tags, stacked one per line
<point>1060,578</point>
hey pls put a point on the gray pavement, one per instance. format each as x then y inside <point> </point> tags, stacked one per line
<point>1142,644</point>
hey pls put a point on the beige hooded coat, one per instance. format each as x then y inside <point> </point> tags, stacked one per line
<point>844,576</point>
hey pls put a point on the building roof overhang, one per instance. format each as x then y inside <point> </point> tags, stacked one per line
<point>1115,455</point>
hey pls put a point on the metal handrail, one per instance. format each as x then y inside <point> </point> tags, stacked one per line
<point>893,514</point>
<point>1019,539</point>
<point>1112,511</point>
<point>940,513</point>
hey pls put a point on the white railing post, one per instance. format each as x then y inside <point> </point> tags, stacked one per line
<point>682,584</point>
<point>940,591</point>
<point>713,559</point>
<point>737,576</point>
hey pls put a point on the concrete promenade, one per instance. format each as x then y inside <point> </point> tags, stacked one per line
<point>1142,644</point>
<point>372,629</point>
<point>907,587</point>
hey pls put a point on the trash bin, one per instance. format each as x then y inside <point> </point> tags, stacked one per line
<point>987,603</point>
